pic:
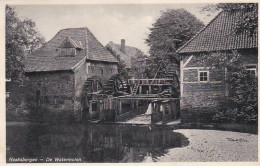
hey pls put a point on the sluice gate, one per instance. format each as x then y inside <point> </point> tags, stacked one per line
<point>119,109</point>
<point>137,95</point>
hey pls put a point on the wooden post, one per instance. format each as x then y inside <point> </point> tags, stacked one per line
<point>137,103</point>
<point>226,84</point>
<point>162,109</point>
<point>152,138</point>
<point>164,137</point>
<point>101,109</point>
<point>90,110</point>
<point>120,106</point>
<point>150,89</point>
<point>157,107</point>
<point>181,77</point>
<point>152,105</point>
<point>175,109</point>
<point>110,103</point>
<point>120,136</point>
<point>91,136</point>
<point>132,104</point>
<point>116,107</point>
<point>140,89</point>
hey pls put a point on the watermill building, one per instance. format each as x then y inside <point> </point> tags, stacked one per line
<point>59,69</point>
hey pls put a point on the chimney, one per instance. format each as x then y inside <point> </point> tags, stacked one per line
<point>123,45</point>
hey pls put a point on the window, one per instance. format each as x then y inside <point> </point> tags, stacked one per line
<point>251,70</point>
<point>69,47</point>
<point>203,76</point>
<point>8,87</point>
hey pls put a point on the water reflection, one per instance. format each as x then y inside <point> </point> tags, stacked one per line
<point>92,143</point>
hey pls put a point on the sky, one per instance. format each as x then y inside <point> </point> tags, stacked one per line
<point>107,22</point>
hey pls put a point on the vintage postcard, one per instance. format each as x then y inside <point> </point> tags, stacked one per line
<point>129,82</point>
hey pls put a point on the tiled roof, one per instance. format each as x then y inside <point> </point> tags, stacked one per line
<point>75,44</point>
<point>130,52</point>
<point>47,57</point>
<point>220,34</point>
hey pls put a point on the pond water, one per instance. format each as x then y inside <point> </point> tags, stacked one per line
<point>89,142</point>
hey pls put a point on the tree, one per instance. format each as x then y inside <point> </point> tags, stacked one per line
<point>138,64</point>
<point>170,31</point>
<point>21,38</point>
<point>249,21</point>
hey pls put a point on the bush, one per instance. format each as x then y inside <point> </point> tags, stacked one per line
<point>242,104</point>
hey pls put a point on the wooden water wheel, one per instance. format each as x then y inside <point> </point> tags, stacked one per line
<point>92,86</point>
<point>115,85</point>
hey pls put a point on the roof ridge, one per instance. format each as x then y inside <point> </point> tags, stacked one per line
<point>73,28</point>
<point>86,43</point>
<point>98,41</point>
<point>94,37</point>
<point>199,32</point>
<point>126,46</point>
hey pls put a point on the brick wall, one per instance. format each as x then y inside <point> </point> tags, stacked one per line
<point>60,91</point>
<point>190,75</point>
<point>103,70</point>
<point>55,90</point>
<point>200,94</point>
<point>80,76</point>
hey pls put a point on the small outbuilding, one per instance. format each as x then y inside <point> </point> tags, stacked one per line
<point>201,87</point>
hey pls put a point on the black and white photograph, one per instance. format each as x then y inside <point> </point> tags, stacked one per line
<point>130,82</point>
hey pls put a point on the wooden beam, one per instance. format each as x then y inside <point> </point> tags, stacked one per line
<point>132,104</point>
<point>120,107</point>
<point>140,89</point>
<point>181,73</point>
<point>132,80</point>
<point>195,68</point>
<point>155,84</point>
<point>153,109</point>
<point>137,103</point>
<point>150,89</point>
<point>150,99</point>
<point>188,61</point>
<point>226,84</point>
<point>90,110</point>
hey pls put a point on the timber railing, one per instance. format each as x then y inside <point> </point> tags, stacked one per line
<point>162,81</point>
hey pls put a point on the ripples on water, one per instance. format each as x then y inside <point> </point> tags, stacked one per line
<point>91,142</point>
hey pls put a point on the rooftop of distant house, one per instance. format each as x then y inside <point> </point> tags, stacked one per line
<point>125,52</point>
<point>66,50</point>
<point>220,35</point>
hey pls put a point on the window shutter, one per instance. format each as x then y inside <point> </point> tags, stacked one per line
<point>67,51</point>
